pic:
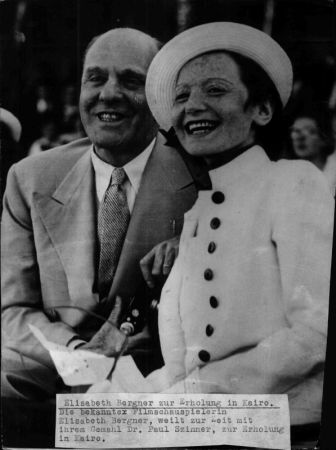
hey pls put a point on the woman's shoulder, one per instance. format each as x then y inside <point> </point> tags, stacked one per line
<point>298,186</point>
<point>297,174</point>
<point>294,169</point>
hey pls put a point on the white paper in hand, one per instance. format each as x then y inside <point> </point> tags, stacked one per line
<point>76,367</point>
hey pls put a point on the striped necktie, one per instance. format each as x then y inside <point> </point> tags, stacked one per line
<point>113,220</point>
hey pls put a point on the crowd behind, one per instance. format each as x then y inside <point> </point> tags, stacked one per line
<point>58,118</point>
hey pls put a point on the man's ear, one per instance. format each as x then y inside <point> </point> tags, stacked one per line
<point>263,113</point>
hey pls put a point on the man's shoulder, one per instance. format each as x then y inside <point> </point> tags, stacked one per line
<point>164,153</point>
<point>56,161</point>
<point>61,157</point>
<point>44,172</point>
<point>171,163</point>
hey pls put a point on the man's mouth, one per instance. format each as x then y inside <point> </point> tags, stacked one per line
<point>200,127</point>
<point>110,116</point>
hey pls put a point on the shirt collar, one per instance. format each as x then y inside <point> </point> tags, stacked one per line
<point>133,168</point>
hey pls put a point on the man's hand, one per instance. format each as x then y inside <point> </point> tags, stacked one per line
<point>140,343</point>
<point>160,260</point>
<point>109,339</point>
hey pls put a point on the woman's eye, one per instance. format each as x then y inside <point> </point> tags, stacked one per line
<point>216,90</point>
<point>182,97</point>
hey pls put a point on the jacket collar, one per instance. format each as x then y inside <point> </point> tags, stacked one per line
<point>69,216</point>
<point>240,168</point>
<point>74,179</point>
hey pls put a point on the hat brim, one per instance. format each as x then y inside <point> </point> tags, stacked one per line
<point>12,123</point>
<point>226,36</point>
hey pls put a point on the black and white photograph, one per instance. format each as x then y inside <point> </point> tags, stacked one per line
<point>168,177</point>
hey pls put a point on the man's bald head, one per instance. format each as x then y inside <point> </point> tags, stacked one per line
<point>145,42</point>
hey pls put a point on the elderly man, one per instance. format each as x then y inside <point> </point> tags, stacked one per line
<point>78,219</point>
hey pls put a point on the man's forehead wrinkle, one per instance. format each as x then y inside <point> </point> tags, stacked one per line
<point>132,37</point>
<point>125,56</point>
<point>126,41</point>
<point>123,71</point>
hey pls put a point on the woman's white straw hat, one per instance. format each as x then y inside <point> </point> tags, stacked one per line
<point>229,36</point>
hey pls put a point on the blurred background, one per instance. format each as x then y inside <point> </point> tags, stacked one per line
<point>42,42</point>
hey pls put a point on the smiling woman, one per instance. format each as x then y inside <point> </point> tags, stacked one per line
<point>210,113</point>
<point>245,308</point>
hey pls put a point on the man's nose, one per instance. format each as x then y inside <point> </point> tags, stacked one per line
<point>112,90</point>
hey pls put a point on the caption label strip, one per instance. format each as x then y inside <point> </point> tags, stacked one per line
<point>165,420</point>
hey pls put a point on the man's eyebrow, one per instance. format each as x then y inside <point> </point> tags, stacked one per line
<point>93,69</point>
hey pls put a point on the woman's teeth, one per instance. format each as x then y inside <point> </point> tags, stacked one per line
<point>200,127</point>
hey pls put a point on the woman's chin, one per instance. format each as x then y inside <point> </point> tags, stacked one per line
<point>200,147</point>
<point>196,151</point>
<point>203,150</point>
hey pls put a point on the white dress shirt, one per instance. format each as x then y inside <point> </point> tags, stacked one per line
<point>134,170</point>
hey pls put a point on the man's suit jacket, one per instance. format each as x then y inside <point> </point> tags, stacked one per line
<point>49,242</point>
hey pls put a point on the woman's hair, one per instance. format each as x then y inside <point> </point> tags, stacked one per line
<point>260,89</point>
<point>259,85</point>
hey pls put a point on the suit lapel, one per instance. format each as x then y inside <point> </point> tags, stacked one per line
<point>70,219</point>
<point>152,218</point>
<point>69,216</point>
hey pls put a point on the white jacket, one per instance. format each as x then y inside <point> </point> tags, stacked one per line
<point>265,331</point>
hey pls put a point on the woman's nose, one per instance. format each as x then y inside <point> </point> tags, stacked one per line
<point>195,102</point>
